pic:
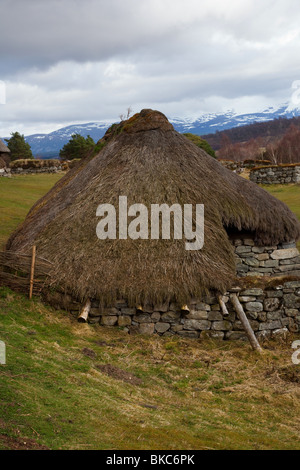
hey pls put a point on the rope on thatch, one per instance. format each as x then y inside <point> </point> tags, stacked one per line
<point>245,322</point>
<point>84,313</point>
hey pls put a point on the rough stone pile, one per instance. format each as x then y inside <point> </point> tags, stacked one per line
<point>283,174</point>
<point>277,260</point>
<point>5,172</point>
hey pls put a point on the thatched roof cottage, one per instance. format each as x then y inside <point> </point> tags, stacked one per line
<point>4,154</point>
<point>145,159</point>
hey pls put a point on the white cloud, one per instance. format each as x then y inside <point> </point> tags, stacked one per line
<point>74,61</point>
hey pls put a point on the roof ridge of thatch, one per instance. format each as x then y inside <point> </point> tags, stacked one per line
<point>145,120</point>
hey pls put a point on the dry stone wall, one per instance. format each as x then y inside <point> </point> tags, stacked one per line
<point>239,166</point>
<point>33,166</point>
<point>282,174</point>
<point>272,311</point>
<point>274,261</point>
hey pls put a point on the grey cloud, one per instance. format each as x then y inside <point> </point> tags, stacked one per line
<point>72,60</point>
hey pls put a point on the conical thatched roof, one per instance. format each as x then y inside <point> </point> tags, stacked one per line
<point>145,159</point>
<point>3,147</point>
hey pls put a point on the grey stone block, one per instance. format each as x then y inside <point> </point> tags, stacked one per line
<point>197,315</point>
<point>146,328</point>
<point>291,301</point>
<point>271,304</point>
<point>162,327</point>
<point>254,306</point>
<point>271,325</point>
<point>222,325</point>
<point>197,325</point>
<point>254,291</point>
<point>215,316</point>
<point>170,316</point>
<point>109,320</point>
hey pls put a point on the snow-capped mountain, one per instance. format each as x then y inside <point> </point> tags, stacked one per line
<point>210,123</point>
<point>49,145</point>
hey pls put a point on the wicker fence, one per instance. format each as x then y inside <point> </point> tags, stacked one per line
<point>23,272</point>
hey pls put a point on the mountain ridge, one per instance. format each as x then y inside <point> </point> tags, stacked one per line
<point>49,145</point>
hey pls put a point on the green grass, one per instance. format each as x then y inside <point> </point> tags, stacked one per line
<point>17,196</point>
<point>289,194</point>
<point>191,394</point>
<point>187,395</point>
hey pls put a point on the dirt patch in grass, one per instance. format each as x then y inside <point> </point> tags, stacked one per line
<point>89,353</point>
<point>13,443</point>
<point>119,374</point>
<point>290,374</point>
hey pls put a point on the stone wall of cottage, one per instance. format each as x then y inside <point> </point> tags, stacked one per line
<point>272,311</point>
<point>281,174</point>
<point>274,261</point>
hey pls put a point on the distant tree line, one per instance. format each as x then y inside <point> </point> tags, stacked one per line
<point>268,131</point>
<point>286,149</point>
<point>77,147</point>
<point>282,149</point>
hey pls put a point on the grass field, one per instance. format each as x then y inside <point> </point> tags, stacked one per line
<point>75,386</point>
<point>17,196</point>
<point>67,385</point>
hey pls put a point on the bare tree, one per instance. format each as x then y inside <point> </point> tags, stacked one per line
<point>123,117</point>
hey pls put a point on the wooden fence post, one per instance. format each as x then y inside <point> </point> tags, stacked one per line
<point>245,322</point>
<point>32,271</point>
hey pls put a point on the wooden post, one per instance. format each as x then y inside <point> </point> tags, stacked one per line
<point>83,315</point>
<point>222,305</point>
<point>32,271</point>
<point>245,322</point>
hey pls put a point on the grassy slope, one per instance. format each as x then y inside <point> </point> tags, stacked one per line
<point>192,394</point>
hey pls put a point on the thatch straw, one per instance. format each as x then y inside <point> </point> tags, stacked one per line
<point>148,161</point>
<point>4,148</point>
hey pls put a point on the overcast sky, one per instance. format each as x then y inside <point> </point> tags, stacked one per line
<point>74,61</point>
